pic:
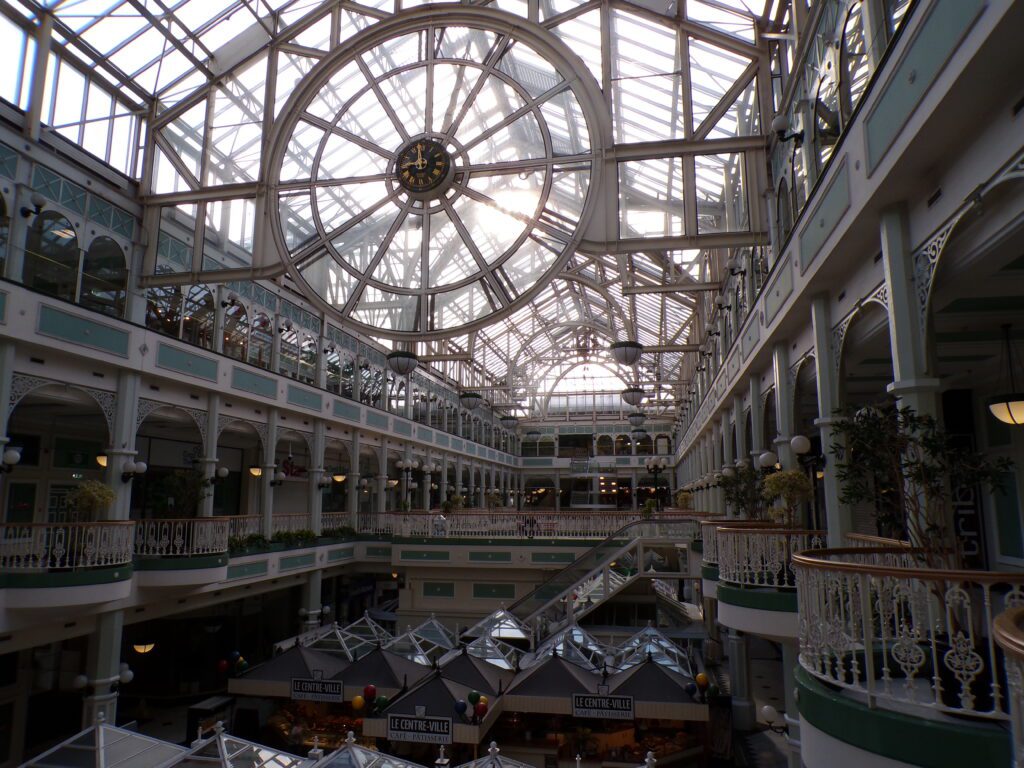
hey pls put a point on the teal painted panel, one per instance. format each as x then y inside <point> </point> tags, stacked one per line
<point>247,381</point>
<point>495,591</point>
<point>425,434</point>
<point>776,292</point>
<point>375,419</point>
<point>442,440</point>
<point>301,397</point>
<point>456,444</point>
<point>620,460</point>
<point>827,213</point>
<point>378,551</point>
<point>87,333</point>
<point>346,410</point>
<point>401,427</point>
<point>539,462</point>
<point>297,561</point>
<point>247,570</point>
<point>342,553</point>
<point>926,56</point>
<point>424,554</point>
<point>751,335</point>
<point>490,557</point>
<point>439,589</point>
<point>552,557</point>
<point>179,360</point>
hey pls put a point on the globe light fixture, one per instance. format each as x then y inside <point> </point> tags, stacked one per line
<point>509,421</point>
<point>403,362</point>
<point>1008,408</point>
<point>470,400</point>
<point>767,459</point>
<point>626,352</point>
<point>255,470</point>
<point>338,477</point>
<point>633,396</point>
<point>800,444</point>
<point>637,418</point>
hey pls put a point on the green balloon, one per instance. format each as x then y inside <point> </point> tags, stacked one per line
<point>381,701</point>
<point>474,697</point>
<point>713,691</point>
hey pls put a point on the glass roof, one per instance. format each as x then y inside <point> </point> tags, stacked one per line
<point>506,264</point>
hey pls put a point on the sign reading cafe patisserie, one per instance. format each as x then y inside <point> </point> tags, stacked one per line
<point>421,729</point>
<point>602,706</point>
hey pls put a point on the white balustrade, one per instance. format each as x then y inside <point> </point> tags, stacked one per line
<point>1009,634</point>
<point>879,623</point>
<point>709,534</point>
<point>760,557</point>
<point>332,521</point>
<point>867,540</point>
<point>289,522</point>
<point>182,537</point>
<point>71,546</point>
<point>241,526</point>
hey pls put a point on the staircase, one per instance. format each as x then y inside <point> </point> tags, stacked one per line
<point>606,570</point>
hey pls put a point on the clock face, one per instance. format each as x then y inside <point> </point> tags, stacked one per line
<point>423,165</point>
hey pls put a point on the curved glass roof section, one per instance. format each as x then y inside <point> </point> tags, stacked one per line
<point>687,87</point>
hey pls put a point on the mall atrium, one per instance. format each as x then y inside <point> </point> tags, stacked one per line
<point>526,383</point>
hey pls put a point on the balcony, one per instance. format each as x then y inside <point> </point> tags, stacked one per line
<point>898,661</point>
<point>1009,634</point>
<point>709,549</point>
<point>49,565</point>
<point>756,582</point>
<point>181,552</point>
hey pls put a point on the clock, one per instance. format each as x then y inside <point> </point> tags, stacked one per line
<point>423,166</point>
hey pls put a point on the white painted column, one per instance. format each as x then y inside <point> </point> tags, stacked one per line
<point>269,468</point>
<point>312,599</point>
<point>741,427</point>
<point>209,460</point>
<point>757,437</point>
<point>122,443</point>
<point>352,489</point>
<point>103,667</point>
<point>744,713</point>
<point>790,660</point>
<point>783,406</point>
<point>315,495</point>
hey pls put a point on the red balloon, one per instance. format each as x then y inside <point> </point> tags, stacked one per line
<point>222,666</point>
<point>480,709</point>
<point>370,692</point>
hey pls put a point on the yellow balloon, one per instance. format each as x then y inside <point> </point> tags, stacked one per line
<point>483,699</point>
<point>701,680</point>
<point>358,702</point>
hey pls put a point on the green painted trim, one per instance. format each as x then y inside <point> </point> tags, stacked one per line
<point>424,554</point>
<point>345,410</point>
<point>937,38</point>
<point>180,563</point>
<point>763,599</point>
<point>709,572</point>
<point>245,570</point>
<point>462,541</point>
<point>57,579</point>
<point>494,591</point>
<point>490,557</point>
<point>938,743</point>
<point>80,331</point>
<point>174,359</point>
<point>296,561</point>
<point>552,557</point>
<point>439,589</point>
<point>378,551</point>
<point>299,396</point>
<point>342,553</point>
<point>247,381</point>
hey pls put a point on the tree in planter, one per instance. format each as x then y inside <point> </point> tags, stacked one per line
<point>683,500</point>
<point>492,500</point>
<point>742,492</point>
<point>906,468</point>
<point>648,509</point>
<point>793,488</point>
<point>92,498</point>
<point>180,493</point>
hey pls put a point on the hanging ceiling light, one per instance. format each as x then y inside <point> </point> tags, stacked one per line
<point>637,418</point>
<point>403,362</point>
<point>470,400</point>
<point>639,433</point>
<point>626,352</point>
<point>509,421</point>
<point>633,396</point>
<point>532,435</point>
<point>1008,408</point>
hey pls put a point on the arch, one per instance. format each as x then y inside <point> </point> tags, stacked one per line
<point>104,278</point>
<point>645,446</point>
<point>198,317</point>
<point>662,443</point>
<point>783,211</point>
<point>52,256</point>
<point>236,331</point>
<point>854,63</point>
<point>623,446</point>
<point>288,356</point>
<point>805,397</point>
<point>865,356</point>
<point>605,445</point>
<point>826,123</point>
<point>261,340</point>
<point>769,420</point>
<point>308,359</point>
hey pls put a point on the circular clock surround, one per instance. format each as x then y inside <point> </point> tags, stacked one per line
<point>508,115</point>
<point>424,167</point>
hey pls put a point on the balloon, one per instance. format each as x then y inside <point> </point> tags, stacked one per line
<point>242,665</point>
<point>234,656</point>
<point>460,707</point>
<point>358,702</point>
<point>381,701</point>
<point>370,692</point>
<point>359,722</point>
<point>713,691</point>
<point>691,688</point>
<point>483,700</point>
<point>222,666</point>
<point>474,697</point>
<point>480,709</point>
<point>702,681</point>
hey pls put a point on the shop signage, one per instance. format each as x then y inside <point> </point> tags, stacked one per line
<point>602,706</point>
<point>305,689</point>
<point>425,730</point>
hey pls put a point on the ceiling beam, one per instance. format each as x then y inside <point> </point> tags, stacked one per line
<point>630,290</point>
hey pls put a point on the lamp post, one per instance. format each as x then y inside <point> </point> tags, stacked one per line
<point>656,466</point>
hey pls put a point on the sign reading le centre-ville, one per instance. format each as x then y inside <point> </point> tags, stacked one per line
<point>425,730</point>
<point>305,689</point>
<point>602,706</point>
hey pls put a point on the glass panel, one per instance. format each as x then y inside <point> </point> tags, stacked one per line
<point>104,278</point>
<point>51,256</point>
<point>651,198</point>
<point>721,193</point>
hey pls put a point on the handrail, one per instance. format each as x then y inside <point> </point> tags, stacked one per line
<point>761,557</point>
<point>709,529</point>
<point>874,621</point>
<point>240,526</point>
<point>181,537</point>
<point>868,540</point>
<point>66,546</point>
<point>1008,630</point>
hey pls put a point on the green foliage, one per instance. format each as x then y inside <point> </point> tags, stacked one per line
<point>648,509</point>
<point>92,497</point>
<point>293,538</point>
<point>683,500</point>
<point>341,532</point>
<point>252,541</point>
<point>792,487</point>
<point>906,467</point>
<point>180,492</point>
<point>492,500</point>
<point>457,502</point>
<point>742,492</point>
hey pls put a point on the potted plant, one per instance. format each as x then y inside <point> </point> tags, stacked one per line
<point>492,500</point>
<point>243,545</point>
<point>647,511</point>
<point>790,486</point>
<point>741,488</point>
<point>683,500</point>
<point>92,498</point>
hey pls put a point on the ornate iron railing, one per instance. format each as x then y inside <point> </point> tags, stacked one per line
<point>290,522</point>
<point>761,557</point>
<point>1009,633</point>
<point>70,546</point>
<point>182,537</point>
<point>878,623</point>
<point>709,534</point>
<point>240,526</point>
